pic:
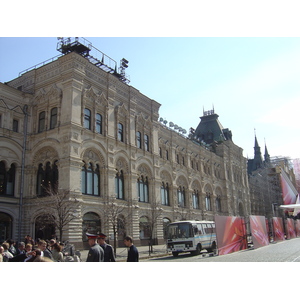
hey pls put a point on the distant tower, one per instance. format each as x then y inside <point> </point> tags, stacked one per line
<point>267,156</point>
<point>257,161</point>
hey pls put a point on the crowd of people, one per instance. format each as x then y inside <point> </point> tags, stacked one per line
<point>53,251</point>
<point>31,251</point>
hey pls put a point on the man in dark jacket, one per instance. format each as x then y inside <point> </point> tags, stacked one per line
<point>42,246</point>
<point>133,254</point>
<point>108,249</point>
<point>96,253</point>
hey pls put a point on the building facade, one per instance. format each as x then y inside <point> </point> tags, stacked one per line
<point>266,180</point>
<point>74,126</point>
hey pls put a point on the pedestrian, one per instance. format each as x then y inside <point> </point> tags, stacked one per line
<point>108,249</point>
<point>96,253</point>
<point>56,252</point>
<point>21,248</point>
<point>133,254</point>
<point>1,253</point>
<point>12,249</point>
<point>51,243</point>
<point>6,254</point>
<point>42,246</point>
<point>29,240</point>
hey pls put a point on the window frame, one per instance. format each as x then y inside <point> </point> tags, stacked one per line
<point>42,121</point>
<point>53,117</point>
<point>87,120</point>
<point>120,133</point>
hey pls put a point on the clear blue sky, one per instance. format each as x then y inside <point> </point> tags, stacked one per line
<point>251,82</point>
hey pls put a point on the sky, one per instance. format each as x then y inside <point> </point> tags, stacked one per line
<point>240,58</point>
<point>253,83</point>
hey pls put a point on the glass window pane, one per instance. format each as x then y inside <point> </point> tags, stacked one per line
<point>87,118</point>
<point>53,120</point>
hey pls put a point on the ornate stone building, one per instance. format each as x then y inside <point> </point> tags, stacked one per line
<point>75,123</point>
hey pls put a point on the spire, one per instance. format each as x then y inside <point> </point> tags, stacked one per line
<point>257,161</point>
<point>267,156</point>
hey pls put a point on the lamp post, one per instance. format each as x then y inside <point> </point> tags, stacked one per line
<point>22,172</point>
<point>273,209</point>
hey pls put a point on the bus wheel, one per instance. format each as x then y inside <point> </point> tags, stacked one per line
<point>198,250</point>
<point>175,254</point>
<point>213,248</point>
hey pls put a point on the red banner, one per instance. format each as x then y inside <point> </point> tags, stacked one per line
<point>289,192</point>
<point>231,234</point>
<point>278,229</point>
<point>290,229</point>
<point>297,227</point>
<point>259,231</point>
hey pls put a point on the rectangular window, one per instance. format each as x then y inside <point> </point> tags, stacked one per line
<point>87,118</point>
<point>164,194</point>
<point>53,118</point>
<point>98,123</point>
<point>181,197</point>
<point>42,117</point>
<point>120,132</point>
<point>207,203</point>
<point>138,140</point>
<point>195,200</point>
<point>146,142</point>
<point>15,125</point>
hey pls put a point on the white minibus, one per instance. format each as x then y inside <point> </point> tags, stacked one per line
<point>191,236</point>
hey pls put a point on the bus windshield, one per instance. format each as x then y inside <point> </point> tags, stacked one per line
<point>180,230</point>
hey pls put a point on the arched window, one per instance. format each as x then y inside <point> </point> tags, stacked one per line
<point>87,118</point>
<point>91,223</point>
<point>143,190</point>
<point>119,185</point>
<point>6,223</point>
<point>53,118</point>
<point>47,179</point>
<point>207,202</point>
<point>42,117</point>
<point>138,140</point>
<point>195,197</point>
<point>90,180</point>
<point>164,189</point>
<point>7,179</point>
<point>99,123</point>
<point>181,196</point>
<point>120,132</point>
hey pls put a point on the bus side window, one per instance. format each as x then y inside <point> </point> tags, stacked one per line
<point>199,229</point>
<point>204,228</point>
<point>213,228</point>
<point>209,228</point>
<point>195,228</point>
